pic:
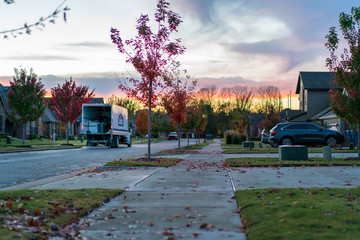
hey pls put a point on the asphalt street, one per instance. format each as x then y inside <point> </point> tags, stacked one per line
<point>20,168</point>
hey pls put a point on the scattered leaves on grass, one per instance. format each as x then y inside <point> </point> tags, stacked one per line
<point>39,214</point>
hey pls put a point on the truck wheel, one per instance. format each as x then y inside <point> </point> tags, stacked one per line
<point>115,142</point>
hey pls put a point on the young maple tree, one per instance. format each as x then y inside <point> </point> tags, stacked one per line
<point>241,122</point>
<point>196,120</point>
<point>66,102</point>
<point>346,69</point>
<point>151,54</point>
<point>177,97</point>
<point>25,98</point>
<point>141,122</point>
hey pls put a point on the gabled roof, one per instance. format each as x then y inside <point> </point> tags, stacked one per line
<point>315,81</point>
<point>49,116</point>
<point>97,100</point>
<point>289,113</point>
<point>321,113</point>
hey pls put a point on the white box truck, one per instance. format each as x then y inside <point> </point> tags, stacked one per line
<point>105,124</point>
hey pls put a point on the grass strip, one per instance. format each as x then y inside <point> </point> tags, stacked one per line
<point>198,145</point>
<point>175,152</point>
<point>275,162</point>
<point>185,150</point>
<point>143,162</point>
<point>248,151</point>
<point>315,213</point>
<point>240,150</point>
<point>39,214</point>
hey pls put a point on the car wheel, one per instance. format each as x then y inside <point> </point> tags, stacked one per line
<point>286,141</point>
<point>274,145</point>
<point>331,141</point>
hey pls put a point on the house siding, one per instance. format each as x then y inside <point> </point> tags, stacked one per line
<point>316,100</point>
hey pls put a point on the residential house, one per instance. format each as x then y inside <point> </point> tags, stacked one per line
<point>5,124</point>
<point>44,126</point>
<point>313,89</point>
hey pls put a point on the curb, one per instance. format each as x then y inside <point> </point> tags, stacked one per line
<point>40,149</point>
<point>43,181</point>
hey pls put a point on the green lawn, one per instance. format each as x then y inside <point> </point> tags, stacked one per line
<point>46,211</point>
<point>238,149</point>
<point>317,213</point>
<point>155,162</point>
<point>16,144</point>
<point>274,162</point>
<point>185,149</point>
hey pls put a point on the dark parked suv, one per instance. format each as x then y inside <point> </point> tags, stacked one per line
<point>304,133</point>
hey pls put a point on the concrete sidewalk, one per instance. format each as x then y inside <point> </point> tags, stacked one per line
<point>191,200</point>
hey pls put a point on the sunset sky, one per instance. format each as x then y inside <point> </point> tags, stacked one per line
<point>229,42</point>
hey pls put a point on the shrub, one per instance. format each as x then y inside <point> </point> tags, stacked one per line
<point>351,146</point>
<point>32,137</point>
<point>233,137</point>
<point>236,139</point>
<point>228,138</point>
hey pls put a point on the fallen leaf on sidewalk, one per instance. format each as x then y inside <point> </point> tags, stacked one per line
<point>206,226</point>
<point>166,233</point>
<point>238,210</point>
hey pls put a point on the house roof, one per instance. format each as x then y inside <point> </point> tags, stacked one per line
<point>315,81</point>
<point>321,113</point>
<point>328,115</point>
<point>49,116</point>
<point>97,100</point>
<point>289,113</point>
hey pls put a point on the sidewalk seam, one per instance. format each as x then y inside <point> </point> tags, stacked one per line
<point>143,179</point>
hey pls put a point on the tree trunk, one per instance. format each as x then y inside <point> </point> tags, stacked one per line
<point>178,134</point>
<point>67,133</point>
<point>149,125</point>
<point>188,139</point>
<point>195,136</point>
<point>358,139</point>
<point>24,132</point>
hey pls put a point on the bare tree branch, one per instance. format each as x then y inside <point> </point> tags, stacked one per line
<point>40,24</point>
